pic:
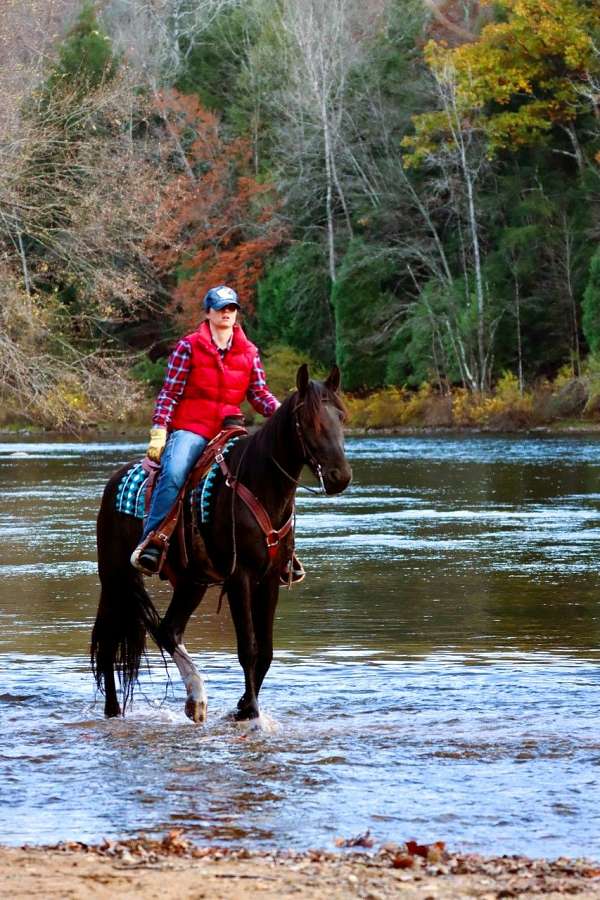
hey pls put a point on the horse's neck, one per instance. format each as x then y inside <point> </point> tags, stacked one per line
<point>273,487</point>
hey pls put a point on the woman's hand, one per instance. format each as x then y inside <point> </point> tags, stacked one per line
<point>158,439</point>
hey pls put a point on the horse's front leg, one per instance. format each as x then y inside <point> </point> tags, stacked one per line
<point>185,600</point>
<point>240,604</point>
<point>264,604</point>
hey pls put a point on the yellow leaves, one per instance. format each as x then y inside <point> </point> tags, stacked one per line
<point>532,63</point>
<point>431,129</point>
<point>391,407</point>
<point>480,410</point>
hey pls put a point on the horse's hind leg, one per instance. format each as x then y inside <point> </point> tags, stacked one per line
<point>186,598</point>
<point>104,653</point>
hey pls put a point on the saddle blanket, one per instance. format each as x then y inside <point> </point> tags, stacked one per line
<point>130,498</point>
<point>131,492</point>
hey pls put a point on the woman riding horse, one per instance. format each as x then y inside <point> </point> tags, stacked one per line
<point>250,540</point>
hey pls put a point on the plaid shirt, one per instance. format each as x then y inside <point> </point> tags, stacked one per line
<point>178,367</point>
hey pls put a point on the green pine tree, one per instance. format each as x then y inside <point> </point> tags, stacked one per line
<point>362,306</point>
<point>591,305</point>
<point>293,303</point>
<point>85,58</point>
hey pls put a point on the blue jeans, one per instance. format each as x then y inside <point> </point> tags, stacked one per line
<point>183,449</point>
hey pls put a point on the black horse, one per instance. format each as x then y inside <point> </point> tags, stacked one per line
<point>306,429</point>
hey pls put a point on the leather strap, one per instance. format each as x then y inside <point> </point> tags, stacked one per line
<point>165,530</point>
<point>181,538</point>
<point>152,469</point>
<point>273,536</point>
<point>212,449</point>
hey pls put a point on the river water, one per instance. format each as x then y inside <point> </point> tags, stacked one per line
<point>436,676</point>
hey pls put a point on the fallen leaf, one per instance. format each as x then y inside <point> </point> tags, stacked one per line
<point>417,849</point>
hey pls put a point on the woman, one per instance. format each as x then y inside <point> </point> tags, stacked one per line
<point>209,373</point>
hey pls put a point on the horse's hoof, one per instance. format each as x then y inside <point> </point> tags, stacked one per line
<point>195,710</point>
<point>246,713</point>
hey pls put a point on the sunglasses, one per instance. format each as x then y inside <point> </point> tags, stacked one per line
<point>231,307</point>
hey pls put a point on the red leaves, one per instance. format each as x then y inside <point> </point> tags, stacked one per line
<point>417,849</point>
<point>174,844</point>
<point>430,853</point>
<point>404,856</point>
<point>216,223</point>
<point>505,876</point>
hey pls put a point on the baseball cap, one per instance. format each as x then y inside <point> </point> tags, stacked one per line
<point>220,296</point>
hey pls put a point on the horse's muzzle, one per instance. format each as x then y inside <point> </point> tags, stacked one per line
<point>337,480</point>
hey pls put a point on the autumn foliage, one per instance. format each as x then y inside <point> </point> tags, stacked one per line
<point>217,222</point>
<point>521,78</point>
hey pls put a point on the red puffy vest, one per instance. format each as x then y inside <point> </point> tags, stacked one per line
<point>215,387</point>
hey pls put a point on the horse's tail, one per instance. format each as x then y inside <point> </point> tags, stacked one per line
<point>125,612</point>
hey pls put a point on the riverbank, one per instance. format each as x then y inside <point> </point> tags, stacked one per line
<point>139,433</point>
<point>566,404</point>
<point>175,868</point>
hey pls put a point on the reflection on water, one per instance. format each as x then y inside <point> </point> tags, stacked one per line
<point>436,674</point>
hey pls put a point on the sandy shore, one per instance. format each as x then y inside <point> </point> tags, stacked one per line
<point>174,868</point>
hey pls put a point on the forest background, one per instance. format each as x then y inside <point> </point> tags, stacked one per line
<point>409,188</point>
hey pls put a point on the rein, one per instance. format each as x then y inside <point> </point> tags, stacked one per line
<point>308,458</point>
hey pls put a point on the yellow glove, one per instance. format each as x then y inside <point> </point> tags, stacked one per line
<point>158,439</point>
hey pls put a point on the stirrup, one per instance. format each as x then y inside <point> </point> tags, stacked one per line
<point>293,573</point>
<point>154,549</point>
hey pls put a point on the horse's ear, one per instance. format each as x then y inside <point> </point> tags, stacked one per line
<point>333,380</point>
<point>302,379</point>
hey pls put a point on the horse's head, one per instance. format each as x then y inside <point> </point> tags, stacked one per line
<point>320,416</point>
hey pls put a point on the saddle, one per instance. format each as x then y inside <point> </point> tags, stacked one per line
<point>161,537</point>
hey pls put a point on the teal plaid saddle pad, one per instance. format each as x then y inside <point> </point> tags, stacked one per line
<point>201,497</point>
<point>131,491</point>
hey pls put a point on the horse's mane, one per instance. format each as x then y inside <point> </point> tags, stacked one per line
<point>315,395</point>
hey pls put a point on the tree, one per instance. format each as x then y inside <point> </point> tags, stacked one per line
<point>85,57</point>
<point>591,305</point>
<point>293,303</point>
<point>216,223</point>
<point>509,89</point>
<point>76,198</point>
<point>158,36</point>
<point>362,305</point>
<point>520,78</point>
<point>212,64</point>
<point>459,157</point>
<point>321,45</point>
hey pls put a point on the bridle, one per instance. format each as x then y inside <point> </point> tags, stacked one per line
<point>307,457</point>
